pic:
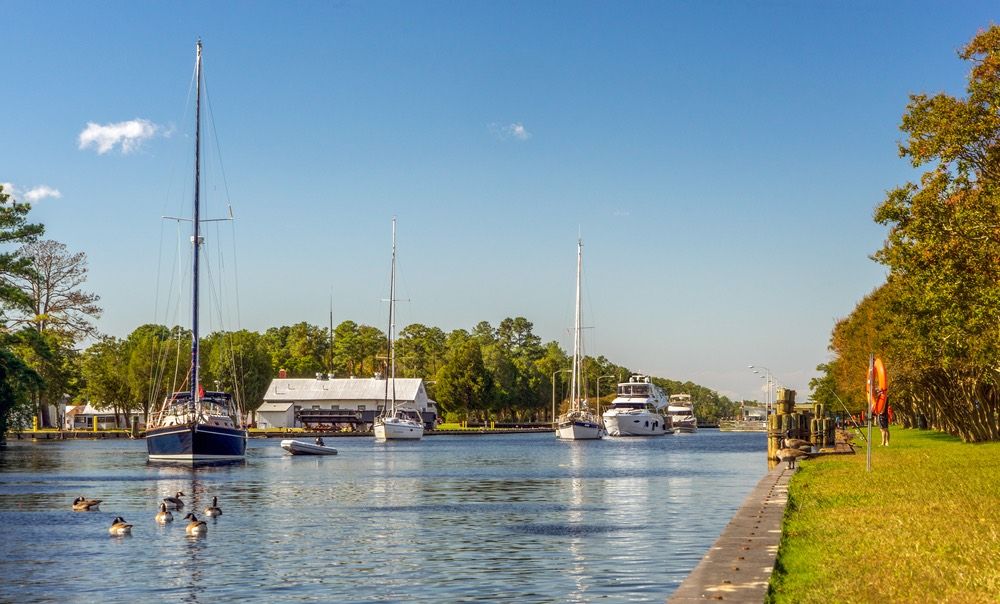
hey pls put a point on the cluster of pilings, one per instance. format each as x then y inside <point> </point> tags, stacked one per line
<point>813,425</point>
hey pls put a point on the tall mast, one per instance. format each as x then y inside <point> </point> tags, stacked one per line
<point>329,359</point>
<point>196,238</point>
<point>575,386</point>
<point>392,317</point>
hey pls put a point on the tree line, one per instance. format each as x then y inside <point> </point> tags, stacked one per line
<point>502,373</point>
<point>935,322</point>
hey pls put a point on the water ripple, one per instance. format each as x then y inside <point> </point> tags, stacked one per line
<point>520,518</point>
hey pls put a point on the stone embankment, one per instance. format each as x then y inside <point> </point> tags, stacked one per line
<point>738,566</point>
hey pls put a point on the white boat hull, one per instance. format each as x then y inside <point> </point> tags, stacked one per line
<point>685,426</point>
<point>636,424</point>
<point>297,447</point>
<point>579,430</point>
<point>398,430</point>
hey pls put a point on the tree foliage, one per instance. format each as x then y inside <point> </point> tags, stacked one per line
<point>935,320</point>
<point>18,381</point>
<point>53,288</point>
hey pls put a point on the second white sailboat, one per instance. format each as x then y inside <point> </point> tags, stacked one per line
<point>579,423</point>
<point>395,423</point>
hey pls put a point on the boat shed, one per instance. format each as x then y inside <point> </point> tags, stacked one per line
<point>275,415</point>
<point>82,417</point>
<point>329,402</point>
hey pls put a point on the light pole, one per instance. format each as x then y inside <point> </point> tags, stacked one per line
<point>767,376</point>
<point>554,374</point>
<point>599,378</point>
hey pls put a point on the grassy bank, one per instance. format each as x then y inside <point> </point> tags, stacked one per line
<point>923,526</point>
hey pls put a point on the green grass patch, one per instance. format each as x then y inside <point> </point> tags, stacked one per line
<point>922,526</point>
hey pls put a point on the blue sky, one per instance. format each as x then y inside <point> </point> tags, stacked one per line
<point>721,160</point>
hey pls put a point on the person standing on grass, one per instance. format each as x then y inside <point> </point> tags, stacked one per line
<point>883,418</point>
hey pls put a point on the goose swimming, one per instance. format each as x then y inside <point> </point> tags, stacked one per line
<point>195,527</point>
<point>174,503</point>
<point>163,516</point>
<point>213,510</point>
<point>80,504</point>
<point>119,527</point>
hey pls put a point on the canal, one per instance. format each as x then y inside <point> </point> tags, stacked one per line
<point>520,517</point>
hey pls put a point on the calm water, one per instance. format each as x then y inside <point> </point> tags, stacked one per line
<point>521,518</point>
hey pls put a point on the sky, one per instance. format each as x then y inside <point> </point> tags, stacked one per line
<point>720,161</point>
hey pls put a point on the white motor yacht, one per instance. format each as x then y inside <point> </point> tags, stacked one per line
<point>681,411</point>
<point>638,410</point>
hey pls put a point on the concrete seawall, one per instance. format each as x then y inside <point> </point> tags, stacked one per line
<point>738,566</point>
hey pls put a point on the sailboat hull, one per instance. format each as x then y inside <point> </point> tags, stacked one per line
<point>196,442</point>
<point>578,430</point>
<point>391,430</point>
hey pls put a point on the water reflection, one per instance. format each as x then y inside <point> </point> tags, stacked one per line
<point>518,517</point>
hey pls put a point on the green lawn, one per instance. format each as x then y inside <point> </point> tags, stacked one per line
<point>923,526</point>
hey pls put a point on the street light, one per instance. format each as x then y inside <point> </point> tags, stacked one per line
<point>767,376</point>
<point>554,374</point>
<point>599,378</point>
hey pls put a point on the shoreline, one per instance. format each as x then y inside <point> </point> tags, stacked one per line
<point>738,566</point>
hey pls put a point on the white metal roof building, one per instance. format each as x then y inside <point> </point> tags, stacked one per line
<point>289,401</point>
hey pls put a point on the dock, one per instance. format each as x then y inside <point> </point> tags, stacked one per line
<point>51,434</point>
<point>738,566</point>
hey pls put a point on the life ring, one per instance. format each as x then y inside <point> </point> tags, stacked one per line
<point>878,385</point>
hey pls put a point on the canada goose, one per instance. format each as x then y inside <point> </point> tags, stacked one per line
<point>195,527</point>
<point>119,527</point>
<point>790,454</point>
<point>174,503</point>
<point>213,510</point>
<point>163,516</point>
<point>797,443</point>
<point>85,505</point>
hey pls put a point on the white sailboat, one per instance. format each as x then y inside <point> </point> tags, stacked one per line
<point>578,423</point>
<point>395,423</point>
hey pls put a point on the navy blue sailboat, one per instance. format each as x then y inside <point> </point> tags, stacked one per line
<point>195,425</point>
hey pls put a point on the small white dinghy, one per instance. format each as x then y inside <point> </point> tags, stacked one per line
<point>297,447</point>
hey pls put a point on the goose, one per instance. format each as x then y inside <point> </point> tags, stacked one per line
<point>797,443</point>
<point>195,527</point>
<point>80,504</point>
<point>174,503</point>
<point>119,527</point>
<point>213,510</point>
<point>163,516</point>
<point>790,454</point>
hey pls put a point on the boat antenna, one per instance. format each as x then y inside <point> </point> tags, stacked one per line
<point>196,237</point>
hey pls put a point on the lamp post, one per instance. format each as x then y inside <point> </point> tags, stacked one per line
<point>554,374</point>
<point>767,376</point>
<point>599,378</point>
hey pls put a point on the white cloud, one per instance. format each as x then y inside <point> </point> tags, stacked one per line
<point>36,194</point>
<point>509,131</point>
<point>41,192</point>
<point>518,131</point>
<point>129,135</point>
